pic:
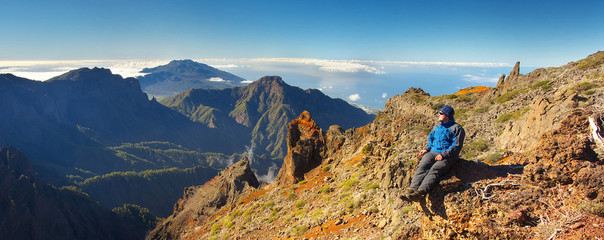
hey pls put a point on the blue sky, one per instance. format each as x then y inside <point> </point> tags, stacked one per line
<point>536,33</point>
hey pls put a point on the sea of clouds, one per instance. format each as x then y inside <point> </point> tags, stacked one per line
<point>367,83</point>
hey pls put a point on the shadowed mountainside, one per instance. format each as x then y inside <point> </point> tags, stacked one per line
<point>32,209</point>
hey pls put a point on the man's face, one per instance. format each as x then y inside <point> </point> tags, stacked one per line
<point>442,117</point>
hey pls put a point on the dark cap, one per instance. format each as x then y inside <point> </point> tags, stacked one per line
<point>448,111</point>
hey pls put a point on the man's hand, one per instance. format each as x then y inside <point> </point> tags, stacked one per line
<point>439,157</point>
<point>422,152</point>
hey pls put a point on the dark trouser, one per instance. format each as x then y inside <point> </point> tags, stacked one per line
<point>429,171</point>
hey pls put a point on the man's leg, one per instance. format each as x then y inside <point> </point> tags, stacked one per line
<point>438,169</point>
<point>423,168</point>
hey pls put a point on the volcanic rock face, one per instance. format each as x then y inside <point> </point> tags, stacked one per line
<point>305,149</point>
<point>201,202</point>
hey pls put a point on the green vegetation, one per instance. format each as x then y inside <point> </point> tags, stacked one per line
<point>156,154</point>
<point>317,213</point>
<point>300,204</point>
<point>591,61</point>
<point>595,208</point>
<point>584,86</point>
<point>370,186</point>
<point>325,168</point>
<point>508,96</point>
<point>461,114</point>
<point>346,185</point>
<point>546,85</point>
<point>136,214</point>
<point>438,106</point>
<point>299,230</point>
<point>367,149</point>
<point>512,116</point>
<point>493,157</point>
<point>155,189</point>
<point>406,210</point>
<point>325,189</point>
<point>482,109</point>
<point>472,149</point>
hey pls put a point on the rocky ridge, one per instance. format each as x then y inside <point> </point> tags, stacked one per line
<point>531,168</point>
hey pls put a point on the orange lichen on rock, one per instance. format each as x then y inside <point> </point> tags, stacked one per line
<point>336,225</point>
<point>476,89</point>
<point>318,181</point>
<point>356,159</point>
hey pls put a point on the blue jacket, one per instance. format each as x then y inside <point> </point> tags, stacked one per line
<point>446,139</point>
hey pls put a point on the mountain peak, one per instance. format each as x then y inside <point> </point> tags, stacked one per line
<point>182,75</point>
<point>85,74</point>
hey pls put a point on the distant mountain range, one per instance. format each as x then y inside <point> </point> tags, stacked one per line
<point>182,75</point>
<point>264,108</point>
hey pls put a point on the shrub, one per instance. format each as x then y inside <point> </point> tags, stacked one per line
<point>348,184</point>
<point>438,106</point>
<point>507,96</point>
<point>591,61</point>
<point>482,109</point>
<point>367,149</point>
<point>584,86</point>
<point>299,230</point>
<point>326,168</point>
<point>300,204</point>
<point>512,116</point>
<point>325,189</point>
<point>371,186</point>
<point>545,85</point>
<point>595,208</point>
<point>493,158</point>
<point>479,145</point>
<point>406,210</point>
<point>318,213</point>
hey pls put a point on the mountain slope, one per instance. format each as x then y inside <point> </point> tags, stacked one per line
<point>347,184</point>
<point>182,75</point>
<point>264,108</point>
<point>31,209</point>
<point>69,122</point>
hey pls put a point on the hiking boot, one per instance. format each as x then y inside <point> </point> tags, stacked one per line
<point>408,193</point>
<point>416,196</point>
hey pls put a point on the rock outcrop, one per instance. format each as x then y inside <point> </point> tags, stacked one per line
<point>306,149</point>
<point>199,203</point>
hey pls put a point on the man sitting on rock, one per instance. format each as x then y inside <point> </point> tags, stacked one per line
<point>444,143</point>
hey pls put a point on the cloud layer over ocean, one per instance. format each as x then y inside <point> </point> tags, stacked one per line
<point>363,82</point>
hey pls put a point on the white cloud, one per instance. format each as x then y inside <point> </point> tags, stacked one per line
<point>223,66</point>
<point>346,66</point>
<point>247,81</point>
<point>216,79</point>
<point>354,97</point>
<point>480,78</point>
<point>384,95</point>
<point>44,70</point>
